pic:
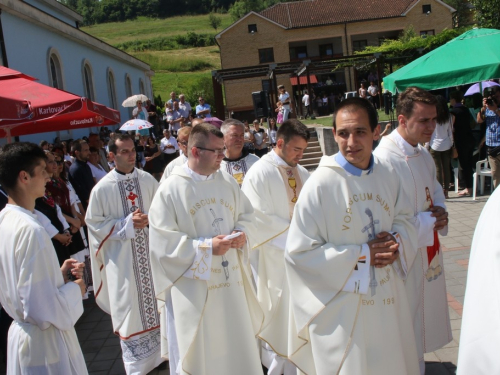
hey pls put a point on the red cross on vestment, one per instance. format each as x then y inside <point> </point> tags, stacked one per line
<point>132,197</point>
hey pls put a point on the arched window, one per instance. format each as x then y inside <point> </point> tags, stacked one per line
<point>88,81</point>
<point>141,86</point>
<point>128,91</point>
<point>128,85</point>
<point>55,69</point>
<point>112,89</point>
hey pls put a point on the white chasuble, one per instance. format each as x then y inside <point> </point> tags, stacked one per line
<point>425,285</point>
<point>273,188</point>
<point>480,336</point>
<point>238,168</point>
<point>213,314</point>
<point>177,162</point>
<point>349,317</point>
<point>42,339</point>
<point>121,265</point>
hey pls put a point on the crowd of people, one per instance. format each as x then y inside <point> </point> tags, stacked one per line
<point>335,271</point>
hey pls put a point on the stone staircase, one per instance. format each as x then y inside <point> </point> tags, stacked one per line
<point>313,154</point>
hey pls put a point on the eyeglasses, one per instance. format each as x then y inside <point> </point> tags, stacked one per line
<point>217,152</point>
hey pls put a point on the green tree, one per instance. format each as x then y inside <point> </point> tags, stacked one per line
<point>214,21</point>
<point>487,13</point>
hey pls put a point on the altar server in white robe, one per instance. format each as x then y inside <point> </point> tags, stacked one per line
<point>416,111</point>
<point>346,259</point>
<point>480,335</point>
<point>273,186</point>
<point>205,279</point>
<point>237,160</point>
<point>117,219</point>
<point>182,141</point>
<point>44,303</point>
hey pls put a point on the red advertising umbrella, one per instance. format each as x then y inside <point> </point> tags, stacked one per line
<point>28,107</point>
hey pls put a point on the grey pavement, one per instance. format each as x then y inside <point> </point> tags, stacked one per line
<point>102,350</point>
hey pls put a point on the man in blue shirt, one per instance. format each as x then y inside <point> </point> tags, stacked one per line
<point>202,109</point>
<point>491,114</point>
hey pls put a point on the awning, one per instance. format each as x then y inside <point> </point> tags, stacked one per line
<point>28,107</point>
<point>471,57</point>
<point>303,80</point>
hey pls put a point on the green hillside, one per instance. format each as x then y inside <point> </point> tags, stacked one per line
<point>178,67</point>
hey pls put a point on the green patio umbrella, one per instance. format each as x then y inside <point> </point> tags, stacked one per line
<point>471,57</point>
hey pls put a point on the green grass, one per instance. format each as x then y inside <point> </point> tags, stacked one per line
<point>164,83</point>
<point>161,63</point>
<point>144,28</point>
<point>186,60</point>
<point>328,120</point>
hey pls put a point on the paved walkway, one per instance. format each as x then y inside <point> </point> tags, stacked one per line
<point>102,350</point>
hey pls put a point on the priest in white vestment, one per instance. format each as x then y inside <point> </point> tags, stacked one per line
<point>273,186</point>
<point>480,335</point>
<point>34,290</point>
<point>346,260</point>
<point>117,219</point>
<point>426,287</point>
<point>237,160</point>
<point>182,141</point>
<point>203,277</point>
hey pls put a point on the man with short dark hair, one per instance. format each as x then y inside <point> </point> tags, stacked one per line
<point>117,219</point>
<point>168,146</point>
<point>200,273</point>
<point>346,259</point>
<point>80,174</point>
<point>202,109</point>
<point>373,94</point>
<point>41,298</point>
<point>426,289</point>
<point>273,185</point>
<point>237,160</point>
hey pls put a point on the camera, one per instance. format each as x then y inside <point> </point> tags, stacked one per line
<point>489,101</point>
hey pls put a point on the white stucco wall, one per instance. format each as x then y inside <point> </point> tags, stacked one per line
<point>27,46</point>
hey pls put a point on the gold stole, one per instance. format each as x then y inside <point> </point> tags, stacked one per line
<point>293,185</point>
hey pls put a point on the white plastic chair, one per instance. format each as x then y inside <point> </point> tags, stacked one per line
<point>482,171</point>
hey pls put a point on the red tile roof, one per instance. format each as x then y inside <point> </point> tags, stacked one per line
<point>310,13</point>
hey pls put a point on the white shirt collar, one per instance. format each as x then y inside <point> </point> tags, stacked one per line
<point>277,159</point>
<point>21,209</point>
<point>403,145</point>
<point>122,177</point>
<point>196,176</point>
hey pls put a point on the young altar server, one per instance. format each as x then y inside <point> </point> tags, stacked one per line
<point>117,219</point>
<point>273,186</point>
<point>44,303</point>
<point>346,259</point>
<point>426,288</point>
<point>203,276</point>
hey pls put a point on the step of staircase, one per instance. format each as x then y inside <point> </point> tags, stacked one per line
<point>313,154</point>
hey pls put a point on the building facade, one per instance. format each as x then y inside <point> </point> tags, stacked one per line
<point>318,30</point>
<point>41,38</point>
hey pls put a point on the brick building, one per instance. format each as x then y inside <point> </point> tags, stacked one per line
<point>318,30</point>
